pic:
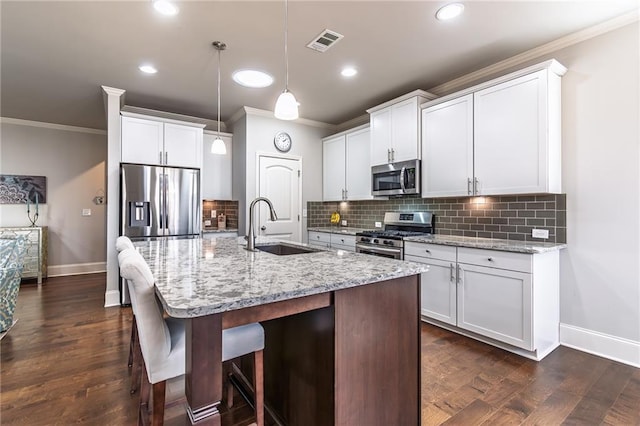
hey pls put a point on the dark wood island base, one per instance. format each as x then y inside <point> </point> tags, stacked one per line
<point>348,357</point>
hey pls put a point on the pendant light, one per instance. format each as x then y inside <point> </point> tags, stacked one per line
<point>218,146</point>
<point>286,105</point>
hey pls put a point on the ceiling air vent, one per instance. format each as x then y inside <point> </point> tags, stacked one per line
<point>325,40</point>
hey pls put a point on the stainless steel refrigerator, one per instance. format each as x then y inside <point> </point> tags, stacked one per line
<point>158,202</point>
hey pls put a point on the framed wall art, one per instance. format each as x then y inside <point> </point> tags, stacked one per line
<point>17,189</point>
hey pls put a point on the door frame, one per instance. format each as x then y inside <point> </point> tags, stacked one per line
<point>281,156</point>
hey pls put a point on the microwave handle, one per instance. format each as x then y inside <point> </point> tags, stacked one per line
<point>403,173</point>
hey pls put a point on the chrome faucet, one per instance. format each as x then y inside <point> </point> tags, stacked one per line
<point>251,238</point>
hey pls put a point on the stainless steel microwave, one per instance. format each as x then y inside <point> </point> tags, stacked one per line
<point>401,178</point>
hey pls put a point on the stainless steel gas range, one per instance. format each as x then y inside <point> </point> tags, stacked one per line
<point>388,242</point>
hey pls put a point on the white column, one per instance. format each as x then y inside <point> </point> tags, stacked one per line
<point>113,101</point>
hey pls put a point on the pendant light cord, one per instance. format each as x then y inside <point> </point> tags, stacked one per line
<point>286,42</point>
<point>219,46</point>
<point>219,93</point>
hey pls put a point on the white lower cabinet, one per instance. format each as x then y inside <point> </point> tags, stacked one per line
<point>330,240</point>
<point>343,242</point>
<point>510,300</point>
<point>319,239</point>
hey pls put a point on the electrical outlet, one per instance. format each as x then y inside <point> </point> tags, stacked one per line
<point>304,212</point>
<point>378,224</point>
<point>344,223</point>
<point>86,212</point>
<point>540,233</point>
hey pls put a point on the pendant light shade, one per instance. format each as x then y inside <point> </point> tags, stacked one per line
<point>218,146</point>
<point>286,105</point>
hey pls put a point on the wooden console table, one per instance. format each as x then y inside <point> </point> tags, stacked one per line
<point>35,261</point>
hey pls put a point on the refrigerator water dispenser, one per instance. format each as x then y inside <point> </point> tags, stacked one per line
<point>139,213</point>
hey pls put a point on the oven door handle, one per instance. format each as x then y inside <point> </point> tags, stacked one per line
<point>378,249</point>
<point>403,172</point>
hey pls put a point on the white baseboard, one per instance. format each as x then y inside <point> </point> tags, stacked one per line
<point>112,298</point>
<point>76,269</point>
<point>604,345</point>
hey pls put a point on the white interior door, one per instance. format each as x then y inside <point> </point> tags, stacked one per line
<point>280,181</point>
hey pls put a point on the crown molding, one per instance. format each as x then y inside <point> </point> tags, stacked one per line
<point>354,122</point>
<point>64,127</point>
<point>536,52</point>
<point>245,110</point>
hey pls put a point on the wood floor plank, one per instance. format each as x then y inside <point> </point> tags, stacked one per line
<point>626,408</point>
<point>601,396</point>
<point>65,362</point>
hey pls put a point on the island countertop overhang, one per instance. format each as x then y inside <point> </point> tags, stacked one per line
<point>196,277</point>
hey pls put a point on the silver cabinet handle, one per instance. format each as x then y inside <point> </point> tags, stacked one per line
<point>427,251</point>
<point>490,259</point>
<point>475,186</point>
<point>160,157</point>
<point>393,154</point>
<point>342,240</point>
<point>388,155</point>
<point>346,194</point>
<point>452,275</point>
<point>263,228</point>
<point>166,157</point>
<point>468,186</point>
<point>460,271</point>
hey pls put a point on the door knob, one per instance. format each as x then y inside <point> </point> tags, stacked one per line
<point>263,228</point>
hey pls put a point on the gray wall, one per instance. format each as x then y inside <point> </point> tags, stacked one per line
<point>600,271</point>
<point>258,137</point>
<point>74,164</point>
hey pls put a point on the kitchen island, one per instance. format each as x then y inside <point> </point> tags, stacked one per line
<point>342,329</point>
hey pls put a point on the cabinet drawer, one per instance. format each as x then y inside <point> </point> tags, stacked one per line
<point>343,240</point>
<point>319,237</point>
<point>496,259</point>
<point>430,251</point>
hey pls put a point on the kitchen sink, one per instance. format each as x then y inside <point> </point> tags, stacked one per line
<point>281,249</point>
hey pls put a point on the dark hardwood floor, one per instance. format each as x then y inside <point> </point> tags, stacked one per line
<point>65,360</point>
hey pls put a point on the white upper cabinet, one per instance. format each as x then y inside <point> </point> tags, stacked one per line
<point>333,168</point>
<point>153,140</point>
<point>358,165</point>
<point>183,145</point>
<point>447,148</point>
<point>142,141</point>
<point>216,169</point>
<point>346,169</point>
<point>506,133</point>
<point>395,129</point>
<point>511,141</point>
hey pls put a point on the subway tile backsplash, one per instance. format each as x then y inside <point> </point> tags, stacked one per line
<point>228,208</point>
<point>510,217</point>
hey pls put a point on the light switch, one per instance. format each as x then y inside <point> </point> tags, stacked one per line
<point>86,212</point>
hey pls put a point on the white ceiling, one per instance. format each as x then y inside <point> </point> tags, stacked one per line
<point>56,55</point>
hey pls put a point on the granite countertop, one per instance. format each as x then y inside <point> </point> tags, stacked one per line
<point>215,230</point>
<point>531,247</point>
<point>338,229</point>
<point>196,277</point>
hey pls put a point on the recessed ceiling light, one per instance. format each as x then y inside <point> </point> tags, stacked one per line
<point>349,71</point>
<point>148,69</point>
<point>449,11</point>
<point>252,78</point>
<point>165,7</point>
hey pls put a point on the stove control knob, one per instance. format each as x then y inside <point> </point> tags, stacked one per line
<point>365,240</point>
<point>375,241</point>
<point>387,242</point>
